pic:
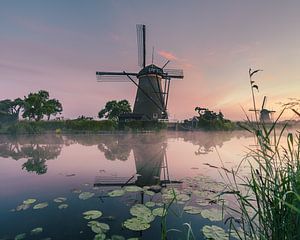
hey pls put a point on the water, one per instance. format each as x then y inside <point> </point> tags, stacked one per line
<point>49,166</point>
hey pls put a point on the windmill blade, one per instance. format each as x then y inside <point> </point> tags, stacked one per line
<point>113,76</point>
<point>141,41</point>
<point>264,102</point>
<point>173,73</point>
<point>165,64</point>
<point>118,78</point>
<point>254,110</point>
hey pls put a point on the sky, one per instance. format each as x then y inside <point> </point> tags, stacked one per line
<point>58,46</point>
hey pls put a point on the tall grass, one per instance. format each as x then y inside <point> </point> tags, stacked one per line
<point>268,199</point>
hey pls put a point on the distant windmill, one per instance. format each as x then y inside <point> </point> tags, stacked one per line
<point>264,113</point>
<point>152,82</point>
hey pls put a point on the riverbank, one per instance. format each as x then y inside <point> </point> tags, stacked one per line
<point>107,126</point>
<point>79,126</point>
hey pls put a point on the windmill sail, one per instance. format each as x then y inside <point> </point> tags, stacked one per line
<point>141,41</point>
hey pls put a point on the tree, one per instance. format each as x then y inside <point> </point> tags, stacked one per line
<point>52,107</point>
<point>11,108</point>
<point>36,105</point>
<point>113,109</point>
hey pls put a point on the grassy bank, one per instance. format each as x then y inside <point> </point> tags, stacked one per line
<point>268,200</point>
<point>78,126</point>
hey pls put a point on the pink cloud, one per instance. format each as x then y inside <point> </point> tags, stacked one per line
<point>167,55</point>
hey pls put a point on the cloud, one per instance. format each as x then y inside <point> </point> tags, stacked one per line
<point>167,55</point>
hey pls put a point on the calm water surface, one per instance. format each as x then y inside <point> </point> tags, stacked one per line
<point>49,166</point>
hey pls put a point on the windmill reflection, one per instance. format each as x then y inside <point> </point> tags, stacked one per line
<point>149,151</point>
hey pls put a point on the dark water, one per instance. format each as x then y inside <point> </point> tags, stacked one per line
<point>49,166</point>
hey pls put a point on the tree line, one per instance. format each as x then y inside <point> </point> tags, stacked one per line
<point>34,106</point>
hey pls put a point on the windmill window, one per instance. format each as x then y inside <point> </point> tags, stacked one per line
<point>155,115</point>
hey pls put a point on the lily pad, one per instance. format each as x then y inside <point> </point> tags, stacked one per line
<point>29,201</point>
<point>36,230</point>
<point>40,205</point>
<point>160,212</point>
<point>92,214</point>
<point>136,224</point>
<point>142,212</point>
<point>214,233</point>
<point>20,236</point>
<point>150,204</point>
<point>149,193</point>
<point>60,199</point>
<point>77,191</point>
<point>100,236</point>
<point>133,189</point>
<point>116,193</point>
<point>117,237</point>
<point>192,210</point>
<point>182,197</point>
<point>86,195</point>
<point>212,214</point>
<point>22,207</point>
<point>98,227</point>
<point>63,206</point>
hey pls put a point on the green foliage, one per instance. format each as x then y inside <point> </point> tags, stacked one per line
<point>36,105</point>
<point>142,126</point>
<point>270,206</point>
<point>269,199</point>
<point>9,109</point>
<point>113,109</point>
<point>90,125</point>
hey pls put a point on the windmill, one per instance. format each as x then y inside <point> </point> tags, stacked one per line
<point>264,113</point>
<point>152,82</point>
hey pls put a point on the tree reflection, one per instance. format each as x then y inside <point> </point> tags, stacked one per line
<point>36,149</point>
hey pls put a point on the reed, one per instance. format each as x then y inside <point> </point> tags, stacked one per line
<point>268,199</point>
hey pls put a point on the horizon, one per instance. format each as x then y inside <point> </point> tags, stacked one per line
<point>58,47</point>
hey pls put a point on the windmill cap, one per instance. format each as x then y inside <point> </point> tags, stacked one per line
<point>151,69</point>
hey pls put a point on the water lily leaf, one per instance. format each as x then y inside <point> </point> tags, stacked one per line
<point>92,214</point>
<point>136,224</point>
<point>86,195</point>
<point>150,204</point>
<point>212,214</point>
<point>20,236</point>
<point>116,193</point>
<point>36,230</point>
<point>60,199</point>
<point>192,210</point>
<point>160,212</point>
<point>183,197</point>
<point>63,206</point>
<point>202,203</point>
<point>214,233</point>
<point>40,205</point>
<point>100,236</point>
<point>133,189</point>
<point>117,237</point>
<point>77,191</point>
<point>149,193</point>
<point>98,227</point>
<point>29,201</point>
<point>22,207</point>
<point>141,211</point>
